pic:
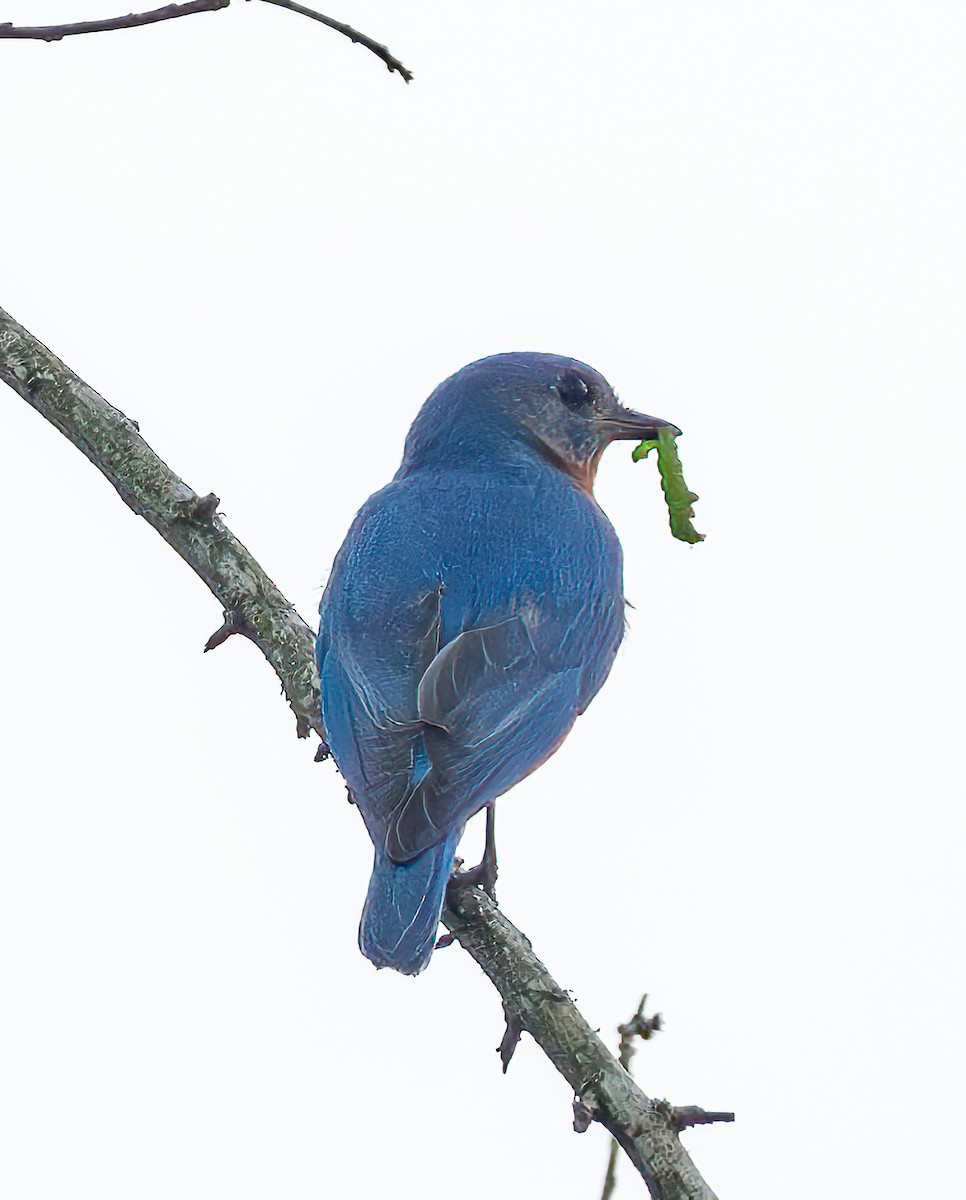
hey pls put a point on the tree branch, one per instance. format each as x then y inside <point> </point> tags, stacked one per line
<point>604,1091</point>
<point>187,522</point>
<point>54,33</point>
<point>392,63</point>
<point>533,1001</point>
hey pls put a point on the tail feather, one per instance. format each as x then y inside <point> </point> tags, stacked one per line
<point>402,910</point>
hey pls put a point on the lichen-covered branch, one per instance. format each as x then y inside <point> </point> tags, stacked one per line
<point>188,522</point>
<point>56,33</point>
<point>533,1001</point>
<point>604,1091</point>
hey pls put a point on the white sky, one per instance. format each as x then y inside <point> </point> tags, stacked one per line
<point>251,238</point>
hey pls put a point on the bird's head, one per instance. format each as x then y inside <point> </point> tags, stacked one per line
<point>558,408</point>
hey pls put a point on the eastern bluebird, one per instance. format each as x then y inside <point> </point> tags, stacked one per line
<point>472,613</point>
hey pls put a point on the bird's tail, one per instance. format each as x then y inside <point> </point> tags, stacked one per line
<point>401,915</point>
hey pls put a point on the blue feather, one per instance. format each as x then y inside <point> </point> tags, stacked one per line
<point>402,910</point>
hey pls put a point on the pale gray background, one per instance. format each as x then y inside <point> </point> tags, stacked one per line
<point>251,238</point>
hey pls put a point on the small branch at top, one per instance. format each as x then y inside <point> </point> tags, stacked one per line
<point>392,63</point>
<point>54,33</point>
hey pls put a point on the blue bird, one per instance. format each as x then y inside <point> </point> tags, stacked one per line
<point>472,613</point>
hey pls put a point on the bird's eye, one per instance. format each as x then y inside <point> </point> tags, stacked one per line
<point>573,390</point>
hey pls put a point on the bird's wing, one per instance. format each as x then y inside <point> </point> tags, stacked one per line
<point>369,670</point>
<point>475,662</point>
<point>495,702</point>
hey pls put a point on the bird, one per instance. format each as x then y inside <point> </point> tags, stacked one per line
<point>472,613</point>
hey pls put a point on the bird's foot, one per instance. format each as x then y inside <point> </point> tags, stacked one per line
<point>483,875</point>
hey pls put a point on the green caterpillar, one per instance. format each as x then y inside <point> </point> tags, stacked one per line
<point>676,494</point>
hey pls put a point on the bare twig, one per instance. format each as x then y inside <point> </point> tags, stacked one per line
<point>610,1178</point>
<point>392,63</point>
<point>233,623</point>
<point>584,1114</point>
<point>644,1028</point>
<point>511,1035</point>
<point>646,1129</point>
<point>690,1114</point>
<point>55,33</point>
<point>638,1026</point>
<point>187,522</point>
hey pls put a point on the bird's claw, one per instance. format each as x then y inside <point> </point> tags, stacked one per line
<point>483,876</point>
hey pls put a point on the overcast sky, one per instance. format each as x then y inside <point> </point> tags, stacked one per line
<point>250,237</point>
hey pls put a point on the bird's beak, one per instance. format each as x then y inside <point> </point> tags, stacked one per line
<point>626,424</point>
